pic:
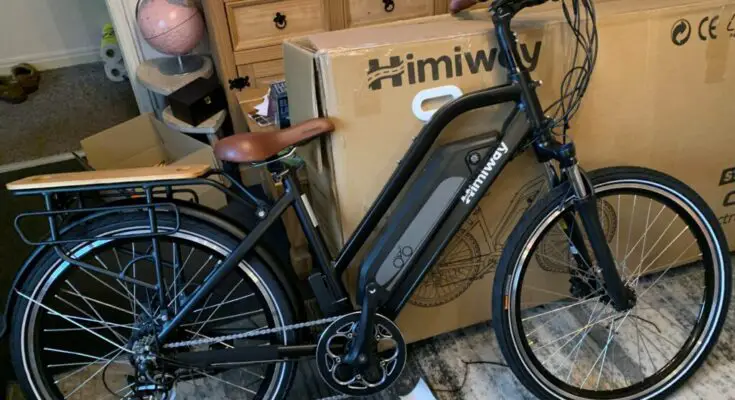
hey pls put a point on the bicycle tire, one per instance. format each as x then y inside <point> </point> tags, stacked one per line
<point>211,232</point>
<point>527,369</point>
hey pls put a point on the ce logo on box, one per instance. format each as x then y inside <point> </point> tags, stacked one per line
<point>707,27</point>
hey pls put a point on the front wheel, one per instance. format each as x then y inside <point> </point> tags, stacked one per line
<point>557,328</point>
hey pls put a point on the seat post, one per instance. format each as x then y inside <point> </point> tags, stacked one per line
<point>310,226</point>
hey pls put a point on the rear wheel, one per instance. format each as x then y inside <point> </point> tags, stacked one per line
<point>73,329</point>
<point>556,327</point>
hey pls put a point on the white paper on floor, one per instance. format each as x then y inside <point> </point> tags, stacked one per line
<point>420,392</point>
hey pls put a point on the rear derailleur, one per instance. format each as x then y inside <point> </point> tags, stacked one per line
<point>151,381</point>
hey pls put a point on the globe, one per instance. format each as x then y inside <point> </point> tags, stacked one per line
<point>172,27</point>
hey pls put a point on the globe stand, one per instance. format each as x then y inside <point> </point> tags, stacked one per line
<point>180,65</point>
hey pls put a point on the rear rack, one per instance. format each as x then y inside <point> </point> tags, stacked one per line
<point>64,205</point>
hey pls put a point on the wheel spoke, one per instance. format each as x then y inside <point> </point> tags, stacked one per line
<point>219,306</point>
<point>128,296</point>
<point>192,279</point>
<point>227,382</point>
<point>574,333</point>
<point>115,393</point>
<point>97,360</point>
<point>586,330</point>
<point>102,368</point>
<point>123,285</point>
<point>53,312</point>
<point>633,275</point>
<point>178,273</point>
<point>607,344</point>
<point>249,313</point>
<point>94,310</point>
<point>665,271</point>
<point>103,324</point>
<point>102,303</point>
<point>645,232</point>
<point>247,296</point>
<point>630,225</point>
<point>564,307</point>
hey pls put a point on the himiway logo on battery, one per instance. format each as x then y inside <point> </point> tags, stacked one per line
<point>400,69</point>
<point>472,190</point>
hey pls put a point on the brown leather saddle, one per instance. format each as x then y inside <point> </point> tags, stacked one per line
<point>260,146</point>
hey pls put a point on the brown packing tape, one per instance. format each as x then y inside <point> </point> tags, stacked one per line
<point>716,29</point>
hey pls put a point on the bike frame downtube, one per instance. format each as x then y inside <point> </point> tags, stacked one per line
<point>237,255</point>
<point>516,129</point>
<point>417,151</point>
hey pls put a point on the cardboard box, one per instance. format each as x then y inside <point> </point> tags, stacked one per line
<point>145,142</point>
<point>658,98</point>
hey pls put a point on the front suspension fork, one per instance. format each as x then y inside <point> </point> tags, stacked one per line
<point>621,296</point>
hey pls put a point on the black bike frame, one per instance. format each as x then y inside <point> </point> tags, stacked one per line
<point>523,124</point>
<point>424,224</point>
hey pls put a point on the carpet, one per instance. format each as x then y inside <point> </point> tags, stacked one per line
<point>71,104</point>
<point>440,359</point>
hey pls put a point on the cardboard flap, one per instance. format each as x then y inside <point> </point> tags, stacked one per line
<point>130,144</point>
<point>176,144</point>
<point>298,61</point>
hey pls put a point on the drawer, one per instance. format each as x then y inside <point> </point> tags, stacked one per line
<point>266,81</point>
<point>366,12</point>
<point>259,55</point>
<point>268,68</point>
<point>263,73</point>
<point>254,25</point>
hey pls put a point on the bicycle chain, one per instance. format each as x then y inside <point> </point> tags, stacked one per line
<point>252,333</point>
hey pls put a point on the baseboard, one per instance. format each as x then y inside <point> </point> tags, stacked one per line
<point>40,161</point>
<point>54,59</point>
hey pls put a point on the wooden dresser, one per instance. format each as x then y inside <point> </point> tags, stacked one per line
<point>246,35</point>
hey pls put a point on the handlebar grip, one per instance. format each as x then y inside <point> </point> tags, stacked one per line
<point>456,6</point>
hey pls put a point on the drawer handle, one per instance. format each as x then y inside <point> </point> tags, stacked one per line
<point>389,5</point>
<point>240,83</point>
<point>280,21</point>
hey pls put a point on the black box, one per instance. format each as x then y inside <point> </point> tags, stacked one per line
<point>198,101</point>
<point>278,109</point>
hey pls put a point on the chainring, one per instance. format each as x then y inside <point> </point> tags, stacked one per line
<point>334,343</point>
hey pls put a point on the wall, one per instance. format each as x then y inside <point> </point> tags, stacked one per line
<point>51,33</point>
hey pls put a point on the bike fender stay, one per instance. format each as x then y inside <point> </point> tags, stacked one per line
<point>283,273</point>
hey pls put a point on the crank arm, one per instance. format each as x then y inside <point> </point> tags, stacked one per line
<point>233,358</point>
